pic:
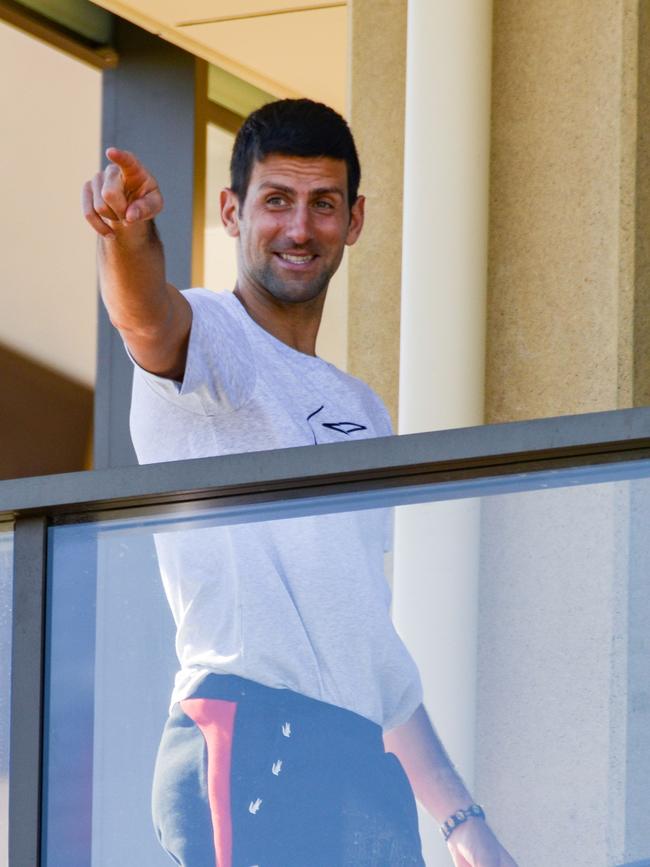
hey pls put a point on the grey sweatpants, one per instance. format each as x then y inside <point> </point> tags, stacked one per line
<point>310,786</point>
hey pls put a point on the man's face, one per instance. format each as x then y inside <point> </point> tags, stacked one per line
<point>294,225</point>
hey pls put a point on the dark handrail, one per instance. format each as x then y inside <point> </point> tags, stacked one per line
<point>428,458</point>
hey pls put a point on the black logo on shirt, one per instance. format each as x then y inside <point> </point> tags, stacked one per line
<point>344,427</point>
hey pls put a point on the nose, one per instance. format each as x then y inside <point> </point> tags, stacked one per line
<point>299,226</point>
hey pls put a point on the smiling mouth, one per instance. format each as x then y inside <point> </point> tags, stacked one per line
<point>294,259</point>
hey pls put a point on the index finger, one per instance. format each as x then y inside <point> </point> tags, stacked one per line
<point>128,164</point>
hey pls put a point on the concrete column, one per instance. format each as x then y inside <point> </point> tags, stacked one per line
<point>445,214</point>
<point>377,74</point>
<point>435,591</point>
<point>442,352</point>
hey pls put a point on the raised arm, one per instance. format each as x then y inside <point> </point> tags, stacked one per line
<point>151,315</point>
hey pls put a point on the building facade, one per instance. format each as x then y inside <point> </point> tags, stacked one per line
<point>502,278</point>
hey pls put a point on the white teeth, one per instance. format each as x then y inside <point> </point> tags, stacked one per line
<point>296,260</point>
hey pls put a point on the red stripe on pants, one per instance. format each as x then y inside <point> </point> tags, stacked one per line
<point>216,718</point>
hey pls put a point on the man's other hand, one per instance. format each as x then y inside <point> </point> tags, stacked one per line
<point>123,194</point>
<point>473,844</point>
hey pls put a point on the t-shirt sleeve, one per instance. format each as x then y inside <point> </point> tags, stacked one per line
<point>219,371</point>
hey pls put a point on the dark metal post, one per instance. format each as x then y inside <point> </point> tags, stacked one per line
<point>153,105</point>
<point>27,663</point>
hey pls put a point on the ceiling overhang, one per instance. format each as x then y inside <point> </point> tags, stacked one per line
<point>285,47</point>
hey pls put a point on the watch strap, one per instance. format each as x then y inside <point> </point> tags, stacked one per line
<point>460,816</point>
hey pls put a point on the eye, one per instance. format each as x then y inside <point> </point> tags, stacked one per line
<point>324,205</point>
<point>276,201</point>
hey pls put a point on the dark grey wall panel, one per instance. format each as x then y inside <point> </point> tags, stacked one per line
<point>148,108</point>
<point>27,661</point>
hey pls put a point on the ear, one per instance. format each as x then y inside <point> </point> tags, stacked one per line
<point>356,220</point>
<point>229,204</point>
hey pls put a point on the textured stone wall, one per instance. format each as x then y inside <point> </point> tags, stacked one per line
<point>562,208</point>
<point>377,84</point>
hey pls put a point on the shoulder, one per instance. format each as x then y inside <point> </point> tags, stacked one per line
<point>373,403</point>
<point>215,316</point>
<point>207,301</point>
<point>220,370</point>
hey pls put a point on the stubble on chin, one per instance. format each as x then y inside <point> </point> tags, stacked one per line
<point>292,291</point>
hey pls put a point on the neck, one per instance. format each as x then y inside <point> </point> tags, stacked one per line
<point>294,324</point>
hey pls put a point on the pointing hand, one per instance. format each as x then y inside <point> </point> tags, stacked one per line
<point>123,194</point>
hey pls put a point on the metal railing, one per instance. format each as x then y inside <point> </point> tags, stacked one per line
<point>523,455</point>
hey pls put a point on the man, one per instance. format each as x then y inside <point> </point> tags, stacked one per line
<point>290,666</point>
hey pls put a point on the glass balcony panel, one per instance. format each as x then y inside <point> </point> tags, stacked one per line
<point>523,600</point>
<point>6,594</point>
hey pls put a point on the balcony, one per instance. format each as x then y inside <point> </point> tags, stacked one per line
<point>518,557</point>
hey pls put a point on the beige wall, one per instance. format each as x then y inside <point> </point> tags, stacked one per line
<point>551,760</point>
<point>50,107</point>
<point>568,313</point>
<point>377,85</point>
<point>569,260</point>
<point>641,333</point>
<point>562,208</point>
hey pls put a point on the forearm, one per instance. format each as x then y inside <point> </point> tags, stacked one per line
<point>132,277</point>
<point>439,788</point>
<point>435,782</point>
<point>151,315</point>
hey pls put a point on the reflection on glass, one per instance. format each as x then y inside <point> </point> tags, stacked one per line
<point>6,581</point>
<point>525,611</point>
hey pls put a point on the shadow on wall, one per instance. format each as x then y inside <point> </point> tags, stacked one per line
<point>45,419</point>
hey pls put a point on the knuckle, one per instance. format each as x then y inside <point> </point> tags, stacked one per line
<point>102,208</point>
<point>109,195</point>
<point>113,196</point>
<point>95,223</point>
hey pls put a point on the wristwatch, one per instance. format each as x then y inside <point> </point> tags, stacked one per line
<point>459,817</point>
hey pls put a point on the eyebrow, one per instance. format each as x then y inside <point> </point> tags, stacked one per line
<point>319,191</point>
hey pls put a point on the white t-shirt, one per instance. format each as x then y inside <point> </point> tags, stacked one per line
<point>300,603</point>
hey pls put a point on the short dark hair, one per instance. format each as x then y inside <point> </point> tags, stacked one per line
<point>297,128</point>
